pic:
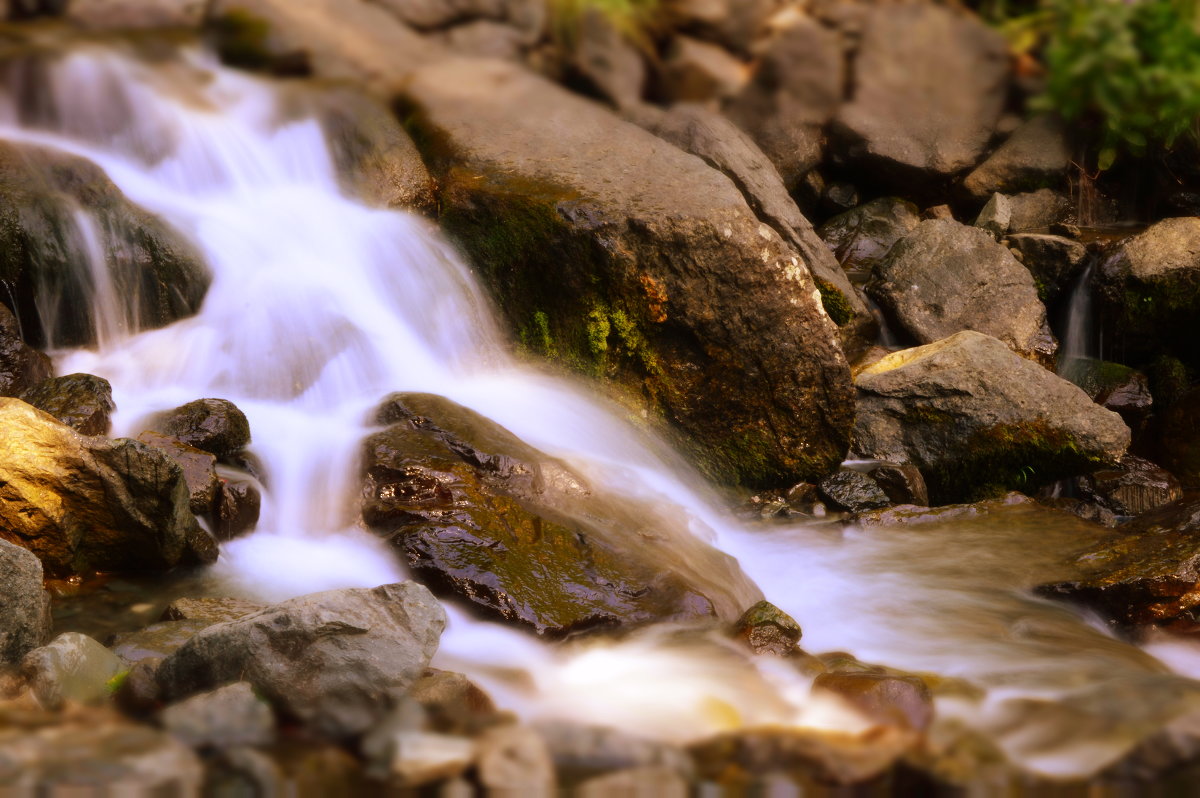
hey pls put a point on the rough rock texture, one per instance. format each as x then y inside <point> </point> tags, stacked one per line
<point>21,366</point>
<point>212,425</point>
<point>228,716</point>
<point>336,661</point>
<point>210,610</point>
<point>1054,261</point>
<point>71,667</point>
<point>697,71</point>
<point>199,469</point>
<point>1133,487</point>
<point>239,503</point>
<point>1114,386</point>
<point>853,491</point>
<point>1037,211</point>
<point>945,277</point>
<point>666,284</point>
<point>83,504</point>
<point>81,401</point>
<point>862,237</point>
<point>606,61</point>
<point>1036,155</point>
<point>976,418</point>
<point>481,515</point>
<point>996,216</point>
<point>25,622</point>
<point>905,116</point>
<point>156,641</point>
<point>766,629</point>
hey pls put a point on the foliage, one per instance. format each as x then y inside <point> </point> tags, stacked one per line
<point>634,18</point>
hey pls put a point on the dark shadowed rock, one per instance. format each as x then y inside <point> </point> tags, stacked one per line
<point>1133,487</point>
<point>975,418</point>
<point>213,425</point>
<point>903,484</point>
<point>853,491</point>
<point>862,237</point>
<point>667,284</point>
<point>238,505</point>
<point>199,469</point>
<point>21,366</point>
<point>453,704</point>
<point>945,277</point>
<point>1035,156</point>
<point>81,401</point>
<point>1114,386</point>
<point>25,622</point>
<point>337,661</point>
<point>228,716</point>
<point>1178,438</point>
<point>1054,261</point>
<point>766,629</point>
<point>138,693</point>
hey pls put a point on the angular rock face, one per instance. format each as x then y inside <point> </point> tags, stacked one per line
<point>83,504</point>
<point>665,283</point>
<point>1053,261</point>
<point>199,469</point>
<point>976,418</point>
<point>480,515</point>
<point>337,660</point>
<point>25,622</point>
<point>945,277</point>
<point>1134,487</point>
<point>905,116</point>
<point>81,401</point>
<point>212,425</point>
<point>1034,156</point>
<point>21,366</point>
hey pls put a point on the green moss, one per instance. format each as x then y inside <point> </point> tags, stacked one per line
<point>835,303</point>
<point>536,337</point>
<point>116,682</point>
<point>598,328</point>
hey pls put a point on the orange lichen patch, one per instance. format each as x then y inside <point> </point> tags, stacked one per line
<point>657,294</point>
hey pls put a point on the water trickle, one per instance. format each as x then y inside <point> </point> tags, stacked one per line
<point>1082,340</point>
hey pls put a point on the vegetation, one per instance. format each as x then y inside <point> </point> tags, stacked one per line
<point>634,18</point>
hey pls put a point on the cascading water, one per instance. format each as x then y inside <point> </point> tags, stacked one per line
<point>320,305</point>
<point>1082,337</point>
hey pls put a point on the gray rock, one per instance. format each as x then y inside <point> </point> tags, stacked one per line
<point>862,237</point>
<point>903,484</point>
<point>156,641</point>
<point>996,216</point>
<point>689,275</point>
<point>71,667</point>
<point>138,694</point>
<point>25,622</point>
<point>1037,210</point>
<point>81,401</point>
<point>434,14</point>
<point>515,758</point>
<point>141,15</point>
<point>412,757</point>
<point>210,610</point>
<point>697,71</point>
<point>906,117</point>
<point>212,425</point>
<point>607,60</point>
<point>853,491</point>
<point>976,418</point>
<point>1054,261</point>
<point>21,366</point>
<point>483,38</point>
<point>228,716</point>
<point>1034,156</point>
<point>945,277</point>
<point>577,749</point>
<point>337,661</point>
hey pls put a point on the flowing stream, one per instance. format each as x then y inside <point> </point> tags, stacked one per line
<point>320,305</point>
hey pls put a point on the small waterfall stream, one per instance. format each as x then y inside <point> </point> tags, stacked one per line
<point>320,305</point>
<point>1082,339</point>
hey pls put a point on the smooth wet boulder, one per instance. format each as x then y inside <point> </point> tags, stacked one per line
<point>480,515</point>
<point>83,504</point>
<point>71,667</point>
<point>975,418</point>
<point>901,483</point>
<point>863,236</point>
<point>239,503</point>
<point>25,623</point>
<point>337,661</point>
<point>666,284</point>
<point>21,366</point>
<point>81,401</point>
<point>766,629</point>
<point>906,118</point>
<point>1054,261</point>
<point>1035,156</point>
<point>199,470</point>
<point>945,277</point>
<point>212,425</point>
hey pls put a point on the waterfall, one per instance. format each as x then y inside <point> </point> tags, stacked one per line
<point>320,305</point>
<point>1082,340</point>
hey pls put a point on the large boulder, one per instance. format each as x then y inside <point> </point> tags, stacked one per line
<point>337,661</point>
<point>1035,156</point>
<point>945,277</point>
<point>666,284</point>
<point>21,366</point>
<point>199,470</point>
<point>83,504</point>
<point>929,84</point>
<point>81,401</point>
<point>482,516</point>
<point>976,418</point>
<point>25,623</point>
<point>216,426</point>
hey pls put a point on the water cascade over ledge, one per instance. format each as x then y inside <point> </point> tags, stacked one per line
<point>320,305</point>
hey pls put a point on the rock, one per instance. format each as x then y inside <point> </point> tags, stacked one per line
<point>905,118</point>
<point>336,661</point>
<point>938,212</point>
<point>212,425</point>
<point>697,71</point>
<point>238,505</point>
<point>1054,261</point>
<point>1036,155</point>
<point>71,667</point>
<point>915,515</point>
<point>1037,210</point>
<point>862,237</point>
<point>21,366</point>
<point>606,61</point>
<point>853,491</point>
<point>414,758</point>
<point>794,91</point>
<point>514,758</point>
<point>83,504</point>
<point>81,401</point>
<point>453,704</point>
<point>25,622</point>
<point>427,15</point>
<point>578,750</point>
<point>996,216</point>
<point>156,641</point>
<point>1147,292</point>
<point>1114,386</point>
<point>974,418</point>
<point>138,694</point>
<point>715,139</point>
<point>135,14</point>
<point>735,24</point>
<point>766,629</point>
<point>484,38</point>
<point>228,716</point>
<point>1135,486</point>
<point>901,701</point>
<point>902,484</point>
<point>480,515</point>
<point>945,277</point>
<point>199,469</point>
<point>1178,438</point>
<point>210,610</point>
<point>646,297</point>
<point>657,781</point>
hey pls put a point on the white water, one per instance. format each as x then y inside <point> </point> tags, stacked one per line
<point>320,305</point>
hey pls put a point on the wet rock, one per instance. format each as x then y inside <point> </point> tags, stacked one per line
<point>1034,156</point>
<point>210,610</point>
<point>480,515</point>
<point>795,90</point>
<point>1087,510</point>
<point>212,425</point>
<point>138,693</point>
<point>649,244</point>
<point>918,515</point>
<point>607,61</point>
<point>945,277</point>
<point>413,758</point>
<point>25,622</point>
<point>766,629</point>
<point>1037,210</point>
<point>975,418</point>
<point>853,491</point>
<point>21,366</point>
<point>902,701</point>
<point>81,401</point>
<point>697,71</point>
<point>238,506</point>
<point>228,716</point>
<point>71,667</point>
<point>657,781</point>
<point>1054,261</point>
<point>453,704</point>
<point>903,484</point>
<point>862,237</point>
<point>515,758</point>
<point>157,641</point>
<point>996,216</point>
<point>905,118</point>
<point>337,661</point>
<point>579,750</point>
<point>199,469</point>
<point>82,504</point>
<point>1134,487</point>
